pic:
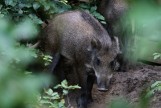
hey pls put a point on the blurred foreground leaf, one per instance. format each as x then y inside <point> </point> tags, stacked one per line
<point>17,89</point>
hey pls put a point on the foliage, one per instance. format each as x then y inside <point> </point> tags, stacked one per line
<point>37,10</point>
<point>119,103</point>
<point>154,88</point>
<point>64,85</point>
<point>93,11</point>
<point>18,88</point>
<point>53,99</point>
<point>123,103</point>
<point>157,56</point>
<point>144,22</point>
<point>47,59</point>
<point>91,8</point>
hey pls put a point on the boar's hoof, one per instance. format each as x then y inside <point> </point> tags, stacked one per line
<point>82,101</point>
<point>90,100</point>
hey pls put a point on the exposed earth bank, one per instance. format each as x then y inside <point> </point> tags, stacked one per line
<point>128,85</point>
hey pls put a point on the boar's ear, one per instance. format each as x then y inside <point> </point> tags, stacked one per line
<point>116,45</point>
<point>110,76</point>
<point>95,44</point>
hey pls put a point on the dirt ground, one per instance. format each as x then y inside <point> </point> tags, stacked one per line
<point>128,85</point>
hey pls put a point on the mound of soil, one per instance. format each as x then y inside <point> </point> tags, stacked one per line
<point>128,85</point>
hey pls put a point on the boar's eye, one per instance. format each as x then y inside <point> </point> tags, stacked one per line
<point>98,62</point>
<point>107,49</point>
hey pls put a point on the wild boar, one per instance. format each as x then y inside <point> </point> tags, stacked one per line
<point>114,11</point>
<point>78,42</point>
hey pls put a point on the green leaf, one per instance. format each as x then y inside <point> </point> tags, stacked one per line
<point>56,96</point>
<point>46,97</point>
<point>10,2</point>
<point>65,92</point>
<point>35,19</point>
<point>54,105</point>
<point>119,103</point>
<point>46,6</point>
<point>28,5</point>
<point>84,6</point>
<point>57,86</point>
<point>98,16</point>
<point>74,87</point>
<point>61,103</point>
<point>1,6</point>
<point>154,87</point>
<point>25,30</point>
<point>155,53</point>
<point>157,56</point>
<point>20,11</point>
<point>103,22</point>
<point>64,1</point>
<point>45,102</point>
<point>149,93</point>
<point>157,83</point>
<point>1,15</point>
<point>64,84</point>
<point>94,8</point>
<point>36,5</point>
<point>49,92</point>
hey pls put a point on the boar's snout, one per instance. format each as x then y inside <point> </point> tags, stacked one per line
<point>102,83</point>
<point>102,87</point>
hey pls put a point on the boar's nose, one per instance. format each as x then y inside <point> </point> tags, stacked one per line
<point>102,89</point>
<point>102,85</point>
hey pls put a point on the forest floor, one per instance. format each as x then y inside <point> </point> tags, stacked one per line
<point>128,85</point>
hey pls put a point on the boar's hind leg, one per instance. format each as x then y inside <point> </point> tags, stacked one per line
<point>55,69</point>
<point>54,63</point>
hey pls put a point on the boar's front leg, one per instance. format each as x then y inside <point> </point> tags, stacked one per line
<point>82,98</point>
<point>86,83</point>
<point>90,82</point>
